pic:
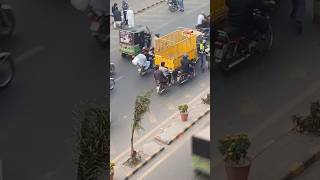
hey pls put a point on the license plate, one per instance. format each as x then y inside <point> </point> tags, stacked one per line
<point>218,53</point>
<point>94,26</point>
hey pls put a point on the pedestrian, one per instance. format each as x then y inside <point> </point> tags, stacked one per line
<point>117,18</point>
<point>115,5</point>
<point>298,13</point>
<point>181,6</point>
<point>202,54</point>
<point>125,7</point>
<point>130,18</point>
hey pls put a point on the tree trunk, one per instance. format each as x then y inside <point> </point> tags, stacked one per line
<point>133,152</point>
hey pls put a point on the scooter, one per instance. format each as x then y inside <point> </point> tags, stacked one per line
<point>99,26</point>
<point>7,69</point>
<point>7,21</point>
<point>142,71</point>
<point>183,77</point>
<point>173,5</point>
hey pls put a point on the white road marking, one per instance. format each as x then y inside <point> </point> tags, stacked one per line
<point>159,126</point>
<point>28,54</point>
<point>119,78</point>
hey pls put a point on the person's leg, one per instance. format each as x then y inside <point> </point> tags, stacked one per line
<point>181,5</point>
<point>202,61</point>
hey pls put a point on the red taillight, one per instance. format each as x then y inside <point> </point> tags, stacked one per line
<point>218,44</point>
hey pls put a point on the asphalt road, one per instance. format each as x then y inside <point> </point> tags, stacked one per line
<point>262,87</point>
<point>58,65</point>
<point>129,84</point>
<point>176,162</point>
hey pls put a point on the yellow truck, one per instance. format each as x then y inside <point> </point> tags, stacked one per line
<point>171,47</point>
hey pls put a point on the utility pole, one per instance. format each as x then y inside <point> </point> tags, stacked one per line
<point>316,11</point>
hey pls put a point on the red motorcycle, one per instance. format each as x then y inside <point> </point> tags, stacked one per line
<point>232,48</point>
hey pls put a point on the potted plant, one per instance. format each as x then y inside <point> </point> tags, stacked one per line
<point>112,164</point>
<point>92,134</point>
<point>183,112</point>
<point>234,149</point>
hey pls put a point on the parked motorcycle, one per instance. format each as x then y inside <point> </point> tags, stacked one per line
<point>99,26</point>
<point>232,50</point>
<point>7,69</point>
<point>183,77</point>
<point>7,20</point>
<point>173,5</point>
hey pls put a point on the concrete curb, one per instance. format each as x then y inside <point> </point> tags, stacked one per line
<point>188,127</point>
<point>144,163</point>
<point>145,8</point>
<point>301,167</point>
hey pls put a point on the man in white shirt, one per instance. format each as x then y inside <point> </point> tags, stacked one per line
<point>130,16</point>
<point>200,18</point>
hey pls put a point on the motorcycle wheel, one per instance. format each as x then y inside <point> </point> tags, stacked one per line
<point>112,84</point>
<point>172,9</point>
<point>7,72</point>
<point>266,40</point>
<point>8,23</point>
<point>227,58</point>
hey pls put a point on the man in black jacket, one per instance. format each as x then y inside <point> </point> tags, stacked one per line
<point>117,17</point>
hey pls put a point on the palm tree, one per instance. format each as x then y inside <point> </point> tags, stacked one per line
<point>142,105</point>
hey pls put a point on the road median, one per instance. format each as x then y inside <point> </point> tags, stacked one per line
<point>163,136</point>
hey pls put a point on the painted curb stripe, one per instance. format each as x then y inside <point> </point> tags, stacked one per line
<point>148,159</point>
<point>301,168</point>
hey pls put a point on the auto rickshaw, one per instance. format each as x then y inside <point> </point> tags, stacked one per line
<point>132,40</point>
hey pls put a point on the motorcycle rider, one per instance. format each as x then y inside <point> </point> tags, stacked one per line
<point>141,61</point>
<point>159,76</point>
<point>185,64</point>
<point>200,19</point>
<point>165,72</point>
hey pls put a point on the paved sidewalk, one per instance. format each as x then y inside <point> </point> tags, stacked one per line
<point>277,150</point>
<point>151,146</point>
